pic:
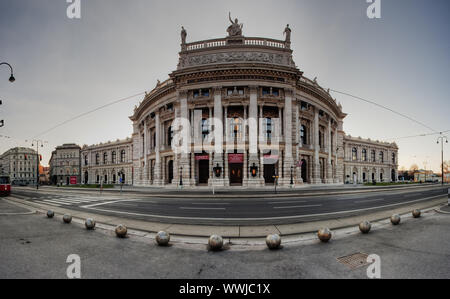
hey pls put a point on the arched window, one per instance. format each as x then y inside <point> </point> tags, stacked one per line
<point>373,156</point>
<point>113,157</point>
<point>169,136</point>
<point>354,154</point>
<point>122,156</point>
<point>85,160</point>
<point>303,135</point>
<point>381,157</point>
<point>364,155</point>
<point>97,159</point>
<point>394,160</point>
<point>105,158</point>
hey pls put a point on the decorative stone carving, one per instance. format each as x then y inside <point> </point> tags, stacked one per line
<point>232,57</point>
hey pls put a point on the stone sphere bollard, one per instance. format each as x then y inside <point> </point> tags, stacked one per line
<point>67,218</point>
<point>215,242</point>
<point>162,238</point>
<point>121,231</point>
<point>396,219</point>
<point>324,235</point>
<point>50,214</point>
<point>90,224</point>
<point>365,227</point>
<point>273,241</point>
<point>417,213</point>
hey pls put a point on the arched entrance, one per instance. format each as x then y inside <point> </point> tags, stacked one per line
<point>170,172</point>
<point>394,179</point>
<point>86,178</point>
<point>304,171</point>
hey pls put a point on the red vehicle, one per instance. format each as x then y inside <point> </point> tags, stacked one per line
<point>5,186</point>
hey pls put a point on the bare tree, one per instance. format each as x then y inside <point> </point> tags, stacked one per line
<point>414,168</point>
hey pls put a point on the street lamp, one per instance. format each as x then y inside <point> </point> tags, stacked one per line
<point>11,78</point>
<point>292,178</point>
<point>41,143</point>
<point>181,176</point>
<point>441,140</point>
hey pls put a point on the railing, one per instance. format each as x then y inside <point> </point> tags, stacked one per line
<point>248,41</point>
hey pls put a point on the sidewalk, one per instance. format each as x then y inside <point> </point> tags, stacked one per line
<point>232,232</point>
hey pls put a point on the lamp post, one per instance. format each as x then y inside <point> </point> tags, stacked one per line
<point>41,143</point>
<point>292,178</point>
<point>441,140</point>
<point>181,176</point>
<point>11,78</point>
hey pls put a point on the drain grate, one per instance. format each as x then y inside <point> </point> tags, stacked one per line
<point>354,261</point>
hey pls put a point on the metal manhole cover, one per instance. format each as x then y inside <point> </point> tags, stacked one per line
<point>354,261</point>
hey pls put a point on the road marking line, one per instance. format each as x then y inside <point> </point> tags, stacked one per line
<point>57,202</point>
<point>369,200</point>
<point>203,204</point>
<point>297,207</point>
<point>266,218</point>
<point>285,202</point>
<point>186,208</point>
<point>111,202</point>
<point>53,204</point>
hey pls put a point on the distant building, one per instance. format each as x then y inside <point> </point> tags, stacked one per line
<point>44,175</point>
<point>21,165</point>
<point>65,165</point>
<point>108,163</point>
<point>423,176</point>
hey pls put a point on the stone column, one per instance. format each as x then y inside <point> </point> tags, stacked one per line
<point>157,171</point>
<point>288,161</point>
<point>253,124</point>
<point>218,136</point>
<point>145,177</point>
<point>186,133</point>
<point>329,167</point>
<point>316,168</point>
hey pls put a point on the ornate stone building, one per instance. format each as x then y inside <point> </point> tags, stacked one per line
<point>21,165</point>
<point>238,111</point>
<point>65,165</point>
<point>107,163</point>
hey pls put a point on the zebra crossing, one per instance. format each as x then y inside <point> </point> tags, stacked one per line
<point>66,200</point>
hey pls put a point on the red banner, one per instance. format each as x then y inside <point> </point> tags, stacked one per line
<point>202,157</point>
<point>236,158</point>
<point>73,180</point>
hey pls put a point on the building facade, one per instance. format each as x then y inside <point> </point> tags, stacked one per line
<point>238,112</point>
<point>21,165</point>
<point>107,163</point>
<point>368,161</point>
<point>65,165</point>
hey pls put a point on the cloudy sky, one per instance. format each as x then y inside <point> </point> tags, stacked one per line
<point>119,48</point>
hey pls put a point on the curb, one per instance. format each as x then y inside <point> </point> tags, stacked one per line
<point>243,232</point>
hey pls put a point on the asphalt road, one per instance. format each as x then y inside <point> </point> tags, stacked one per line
<point>239,210</point>
<point>35,247</point>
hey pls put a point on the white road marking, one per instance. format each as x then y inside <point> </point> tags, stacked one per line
<point>298,207</point>
<point>265,218</point>
<point>369,200</point>
<point>186,208</point>
<point>56,202</point>
<point>285,202</point>
<point>112,202</point>
<point>53,204</point>
<point>204,204</point>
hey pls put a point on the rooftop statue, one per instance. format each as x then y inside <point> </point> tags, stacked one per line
<point>287,32</point>
<point>235,29</point>
<point>183,35</point>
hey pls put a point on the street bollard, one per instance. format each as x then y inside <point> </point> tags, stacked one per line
<point>50,214</point>
<point>121,231</point>
<point>324,235</point>
<point>90,224</point>
<point>273,241</point>
<point>162,238</point>
<point>396,219</point>
<point>215,243</point>
<point>67,218</point>
<point>417,213</point>
<point>365,227</point>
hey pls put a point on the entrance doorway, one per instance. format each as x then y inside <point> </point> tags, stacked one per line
<point>86,178</point>
<point>269,172</point>
<point>236,177</point>
<point>203,172</point>
<point>394,179</point>
<point>170,172</point>
<point>304,171</point>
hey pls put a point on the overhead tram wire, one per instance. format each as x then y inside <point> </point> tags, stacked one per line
<point>387,108</point>
<point>416,136</point>
<point>89,112</point>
